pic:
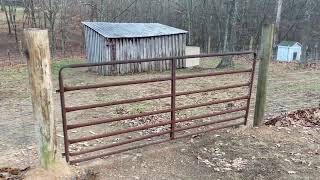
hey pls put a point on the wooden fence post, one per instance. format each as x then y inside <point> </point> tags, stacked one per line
<point>266,55</point>
<point>39,67</point>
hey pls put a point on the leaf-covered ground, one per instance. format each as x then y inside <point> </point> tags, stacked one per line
<point>298,118</point>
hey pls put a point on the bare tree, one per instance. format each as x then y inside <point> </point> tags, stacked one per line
<point>306,32</point>
<point>228,44</point>
<point>4,8</point>
<point>51,8</point>
<point>277,24</point>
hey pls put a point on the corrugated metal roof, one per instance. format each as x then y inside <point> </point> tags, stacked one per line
<point>288,43</point>
<point>131,30</point>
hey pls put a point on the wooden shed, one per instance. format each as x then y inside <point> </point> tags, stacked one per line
<point>289,51</point>
<point>126,41</point>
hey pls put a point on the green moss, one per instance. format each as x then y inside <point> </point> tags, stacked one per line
<point>47,156</point>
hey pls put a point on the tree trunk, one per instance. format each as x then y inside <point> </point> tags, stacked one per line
<point>209,44</point>
<point>189,17</point>
<point>2,5</point>
<point>12,17</point>
<point>33,17</point>
<point>306,33</point>
<point>277,24</point>
<point>8,19</point>
<point>229,35</point>
<point>251,43</point>
<point>63,26</point>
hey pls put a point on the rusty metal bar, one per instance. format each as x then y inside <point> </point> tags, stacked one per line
<point>72,141</point>
<point>74,88</point>
<point>173,97</point>
<point>212,89</point>
<point>212,74</point>
<point>144,145</point>
<point>147,137</point>
<point>211,129</point>
<point>210,123</point>
<point>211,103</point>
<point>116,152</point>
<point>119,143</point>
<point>250,87</point>
<point>210,115</point>
<point>77,108</point>
<point>99,136</point>
<point>124,83</point>
<point>102,121</point>
<point>64,117</point>
<point>157,59</point>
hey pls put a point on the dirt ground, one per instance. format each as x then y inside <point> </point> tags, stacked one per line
<point>263,153</point>
<point>259,153</point>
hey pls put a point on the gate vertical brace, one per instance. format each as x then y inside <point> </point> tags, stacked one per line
<point>173,97</point>
<point>250,87</point>
<point>63,114</point>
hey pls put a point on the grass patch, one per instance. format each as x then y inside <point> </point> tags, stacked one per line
<point>59,63</point>
<point>296,87</point>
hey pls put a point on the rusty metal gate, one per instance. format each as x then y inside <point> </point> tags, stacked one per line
<point>172,122</point>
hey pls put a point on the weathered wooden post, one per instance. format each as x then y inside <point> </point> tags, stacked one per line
<point>266,55</point>
<point>37,43</point>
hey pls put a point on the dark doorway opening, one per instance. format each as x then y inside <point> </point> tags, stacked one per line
<point>295,56</point>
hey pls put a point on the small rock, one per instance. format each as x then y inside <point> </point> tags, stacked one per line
<point>292,172</point>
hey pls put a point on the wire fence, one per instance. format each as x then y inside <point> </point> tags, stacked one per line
<point>14,57</point>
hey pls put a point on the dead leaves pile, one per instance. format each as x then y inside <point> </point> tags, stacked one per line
<point>12,173</point>
<point>299,118</point>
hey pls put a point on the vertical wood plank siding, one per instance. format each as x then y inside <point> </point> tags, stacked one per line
<point>99,49</point>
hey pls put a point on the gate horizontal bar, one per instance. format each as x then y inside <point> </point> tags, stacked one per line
<point>84,107</point>
<point>77,108</point>
<point>99,136</point>
<point>149,136</point>
<point>157,59</point>
<point>116,152</point>
<point>74,88</point>
<point>210,123</point>
<point>124,83</point>
<point>96,122</point>
<point>119,143</point>
<point>212,74</point>
<point>210,115</point>
<point>72,141</point>
<point>212,89</point>
<point>211,129</point>
<point>211,103</point>
<point>148,144</point>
